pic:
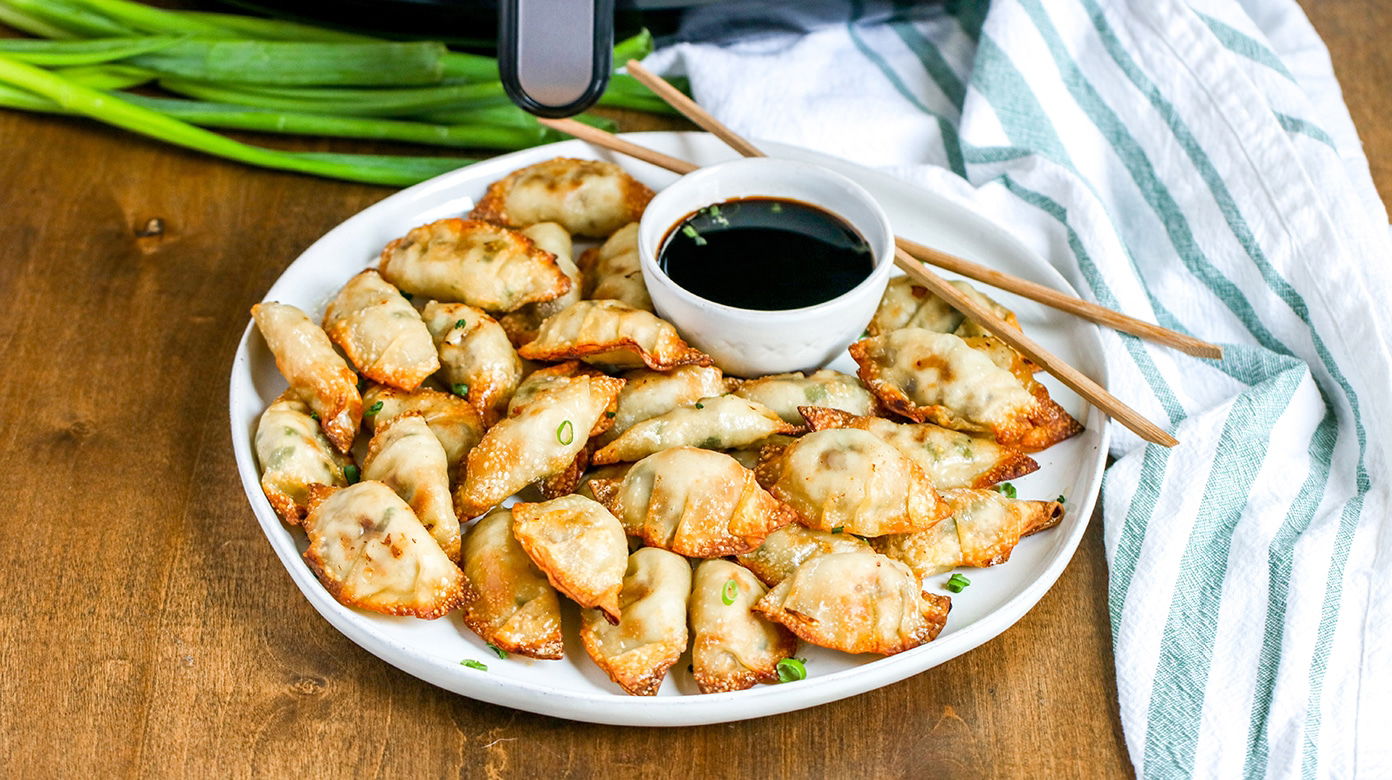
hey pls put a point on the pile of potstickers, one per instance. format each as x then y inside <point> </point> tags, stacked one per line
<point>676,506</point>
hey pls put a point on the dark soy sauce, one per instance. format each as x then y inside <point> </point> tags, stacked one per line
<point>765,253</point>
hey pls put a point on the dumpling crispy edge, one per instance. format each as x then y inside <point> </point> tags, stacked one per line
<point>550,649</point>
<point>342,410</point>
<point>619,449</point>
<point>682,353</point>
<point>640,675</point>
<point>606,601</point>
<point>786,646</point>
<point>340,326</point>
<point>492,207</point>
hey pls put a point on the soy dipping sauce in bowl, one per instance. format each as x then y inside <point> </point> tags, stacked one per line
<point>765,253</point>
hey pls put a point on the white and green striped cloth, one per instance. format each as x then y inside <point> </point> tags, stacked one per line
<point>1190,163</point>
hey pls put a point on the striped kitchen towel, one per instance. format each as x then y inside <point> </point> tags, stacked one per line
<point>1191,163</point>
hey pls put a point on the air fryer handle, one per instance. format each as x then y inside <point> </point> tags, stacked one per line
<point>555,55</point>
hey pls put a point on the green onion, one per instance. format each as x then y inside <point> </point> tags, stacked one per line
<point>460,323</point>
<point>78,22</point>
<point>472,664</point>
<point>106,77</point>
<point>700,405</point>
<point>144,18</point>
<point>373,409</point>
<point>611,415</point>
<point>730,592</point>
<point>72,53</point>
<point>352,102</point>
<point>351,474</point>
<point>32,24</point>
<point>957,583</point>
<point>565,432</point>
<point>498,651</point>
<point>838,529</point>
<point>690,232</point>
<point>274,29</point>
<point>791,670</point>
<point>314,416</point>
<point>1007,489</point>
<point>1061,499</point>
<point>460,389</point>
<point>300,63</point>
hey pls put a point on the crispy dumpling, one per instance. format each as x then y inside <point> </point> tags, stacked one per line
<point>650,637</point>
<point>693,502</point>
<point>908,304</point>
<point>648,393</point>
<point>856,602</point>
<point>314,370</point>
<point>983,529</point>
<point>580,546</point>
<point>951,459</point>
<point>750,454</point>
<point>546,378</point>
<point>510,604</point>
<point>784,393</point>
<point>405,456</point>
<point>787,548</point>
<point>587,197</point>
<point>369,550</point>
<point>381,332</point>
<point>608,477</point>
<point>612,270</point>
<point>521,325</point>
<point>938,377</point>
<point>849,480</point>
<point>732,647</point>
<point>610,333</point>
<point>294,454</point>
<point>538,441</point>
<point>476,356</point>
<point>473,262</point>
<point>722,422</point>
<point>451,418</point>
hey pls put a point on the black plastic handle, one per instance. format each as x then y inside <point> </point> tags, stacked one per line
<point>555,56</point>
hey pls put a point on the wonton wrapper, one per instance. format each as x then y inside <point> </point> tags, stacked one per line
<point>476,353</point>
<point>294,454</point>
<point>637,652</point>
<point>694,502</point>
<point>648,393</point>
<point>381,332</point>
<point>908,304</point>
<point>580,546</point>
<point>951,459</point>
<point>784,393</point>
<point>612,271</point>
<point>315,372</point>
<point>405,456</point>
<point>983,529</point>
<point>511,605</point>
<point>856,603</point>
<point>369,550</point>
<point>732,647</point>
<point>849,480</point>
<point>750,454</point>
<point>718,423</point>
<point>540,440</point>
<point>607,477</point>
<point>521,325</point>
<point>787,548</point>
<point>938,377</point>
<point>473,262</point>
<point>452,419</point>
<point>587,197</point>
<point>612,334</point>
<point>547,378</point>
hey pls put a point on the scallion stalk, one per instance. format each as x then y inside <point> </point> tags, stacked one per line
<point>73,53</point>
<point>345,101</point>
<point>106,77</point>
<point>281,63</point>
<point>78,22</point>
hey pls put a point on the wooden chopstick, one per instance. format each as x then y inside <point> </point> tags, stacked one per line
<point>1071,377</point>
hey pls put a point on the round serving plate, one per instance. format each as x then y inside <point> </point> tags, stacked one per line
<point>574,687</point>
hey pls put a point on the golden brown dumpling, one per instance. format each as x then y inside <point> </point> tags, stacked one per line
<point>369,550</point>
<point>848,480</point>
<point>908,304</point>
<point>732,647</point>
<point>612,271</point>
<point>723,422</point>
<point>938,377</point>
<point>381,332</point>
<point>522,325</point>
<point>787,548</point>
<point>294,454</point>
<point>473,262</point>
<point>610,333</point>
<point>476,355</point>
<point>693,502</point>
<point>983,529</point>
<point>315,372</point>
<point>650,637</point>
<point>451,418</point>
<point>580,546</point>
<point>856,603</point>
<point>949,458</point>
<point>648,393</point>
<point>510,603</point>
<point>405,456</point>
<point>587,197</point>
<point>784,393</point>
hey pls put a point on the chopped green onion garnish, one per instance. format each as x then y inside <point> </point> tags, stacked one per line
<point>791,670</point>
<point>700,405</point>
<point>498,651</point>
<point>611,415</point>
<point>406,295</point>
<point>776,207</point>
<point>690,232</point>
<point>314,416</point>
<point>373,409</point>
<point>1061,499</point>
<point>730,592</point>
<point>838,529</point>
<point>865,333</point>
<point>565,432</point>
<point>352,474</point>
<point>956,583</point>
<point>1006,489</point>
<point>460,323</point>
<point>472,664</point>
<point>459,389</point>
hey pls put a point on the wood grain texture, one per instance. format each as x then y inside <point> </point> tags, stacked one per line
<point>149,630</point>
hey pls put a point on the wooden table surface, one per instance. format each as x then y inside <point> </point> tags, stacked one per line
<point>150,629</point>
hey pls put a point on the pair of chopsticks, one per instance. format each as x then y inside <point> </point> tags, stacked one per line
<point>908,255</point>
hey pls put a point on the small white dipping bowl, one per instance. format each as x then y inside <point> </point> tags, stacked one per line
<point>753,342</point>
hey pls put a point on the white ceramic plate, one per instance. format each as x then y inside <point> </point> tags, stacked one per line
<point>575,688</point>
